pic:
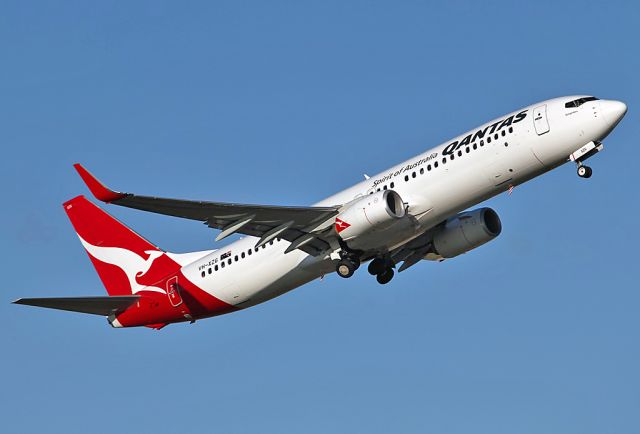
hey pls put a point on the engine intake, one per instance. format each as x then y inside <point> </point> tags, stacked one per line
<point>466,231</point>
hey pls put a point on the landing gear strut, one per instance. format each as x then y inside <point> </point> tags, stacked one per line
<point>382,268</point>
<point>584,171</point>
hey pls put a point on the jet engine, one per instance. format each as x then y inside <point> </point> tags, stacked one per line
<point>366,215</point>
<point>466,231</point>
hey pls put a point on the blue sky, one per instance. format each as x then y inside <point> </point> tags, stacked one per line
<point>287,103</point>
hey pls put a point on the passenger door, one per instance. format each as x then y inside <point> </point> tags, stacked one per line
<point>540,121</point>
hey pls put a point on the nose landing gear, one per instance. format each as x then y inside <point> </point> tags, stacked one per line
<point>586,151</point>
<point>584,171</point>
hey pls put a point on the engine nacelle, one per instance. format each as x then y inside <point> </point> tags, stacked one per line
<point>371,213</point>
<point>466,231</point>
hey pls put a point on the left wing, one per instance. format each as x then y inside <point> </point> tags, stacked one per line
<point>307,228</point>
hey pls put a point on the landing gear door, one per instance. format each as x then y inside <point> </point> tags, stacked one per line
<point>540,121</point>
<point>173,291</point>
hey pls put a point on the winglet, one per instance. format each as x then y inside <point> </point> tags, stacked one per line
<point>96,187</point>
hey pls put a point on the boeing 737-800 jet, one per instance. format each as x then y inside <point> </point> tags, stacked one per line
<point>407,213</point>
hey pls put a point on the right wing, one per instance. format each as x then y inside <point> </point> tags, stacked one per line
<point>307,228</point>
<point>94,305</point>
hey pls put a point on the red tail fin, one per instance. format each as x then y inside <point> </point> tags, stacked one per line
<point>125,262</point>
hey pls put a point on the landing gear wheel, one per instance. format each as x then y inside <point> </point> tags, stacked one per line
<point>346,268</point>
<point>385,277</point>
<point>377,266</point>
<point>584,171</point>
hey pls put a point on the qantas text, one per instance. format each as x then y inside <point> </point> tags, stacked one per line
<point>490,129</point>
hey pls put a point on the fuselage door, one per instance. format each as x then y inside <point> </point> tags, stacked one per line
<point>540,121</point>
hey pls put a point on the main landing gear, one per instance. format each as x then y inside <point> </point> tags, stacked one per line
<point>382,268</point>
<point>347,266</point>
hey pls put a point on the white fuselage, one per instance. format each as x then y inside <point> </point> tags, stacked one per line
<point>518,151</point>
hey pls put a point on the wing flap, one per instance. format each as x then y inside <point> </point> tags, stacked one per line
<point>104,306</point>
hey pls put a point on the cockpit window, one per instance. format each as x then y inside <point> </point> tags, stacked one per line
<point>578,102</point>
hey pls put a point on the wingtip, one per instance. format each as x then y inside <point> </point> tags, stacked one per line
<point>98,189</point>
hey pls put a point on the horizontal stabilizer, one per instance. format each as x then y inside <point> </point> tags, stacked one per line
<point>95,305</point>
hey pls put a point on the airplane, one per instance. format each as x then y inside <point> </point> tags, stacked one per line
<point>416,210</point>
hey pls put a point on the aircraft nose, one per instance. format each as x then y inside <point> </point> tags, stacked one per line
<point>613,111</point>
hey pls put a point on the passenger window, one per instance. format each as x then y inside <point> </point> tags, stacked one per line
<point>406,177</point>
<point>209,270</point>
<point>413,175</point>
<point>229,261</point>
<point>506,144</point>
<point>475,146</point>
<point>384,188</point>
<point>429,167</point>
<point>510,129</point>
<point>271,242</point>
<point>422,171</point>
<point>392,184</point>
<point>444,160</point>
<point>503,133</point>
<point>222,264</point>
<point>488,139</point>
<point>215,268</point>
<point>236,258</point>
<point>460,153</point>
<point>495,136</point>
<point>481,142</point>
<point>435,165</point>
<point>202,274</point>
<point>466,149</point>
<point>242,255</point>
<point>451,157</point>
<point>249,252</point>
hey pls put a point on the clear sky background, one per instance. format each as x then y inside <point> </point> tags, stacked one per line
<point>287,103</point>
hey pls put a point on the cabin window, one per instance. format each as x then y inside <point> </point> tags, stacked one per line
<point>392,184</point>
<point>406,177</point>
<point>475,146</point>
<point>429,167</point>
<point>209,270</point>
<point>435,165</point>
<point>215,268</point>
<point>222,264</point>
<point>488,139</point>
<point>422,171</point>
<point>202,274</point>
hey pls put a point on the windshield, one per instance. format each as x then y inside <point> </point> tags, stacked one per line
<point>578,102</point>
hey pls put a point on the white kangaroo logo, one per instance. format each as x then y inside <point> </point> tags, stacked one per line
<point>132,264</point>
